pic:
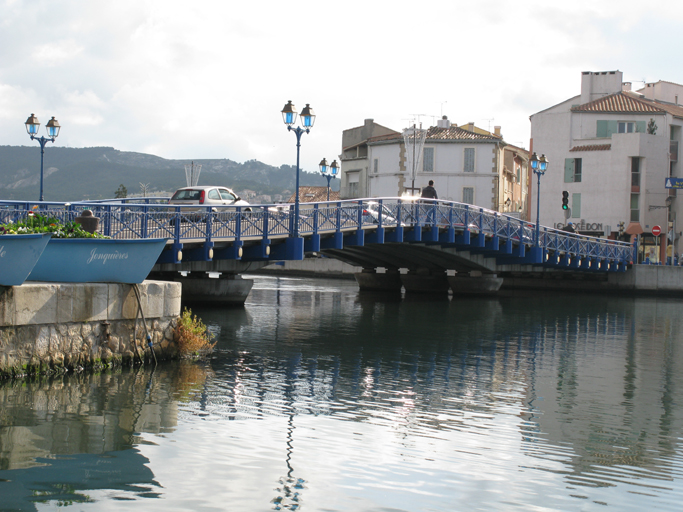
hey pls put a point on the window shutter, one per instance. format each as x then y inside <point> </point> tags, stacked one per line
<point>640,126</point>
<point>468,195</point>
<point>602,129</point>
<point>428,160</point>
<point>576,206</point>
<point>612,127</point>
<point>568,170</point>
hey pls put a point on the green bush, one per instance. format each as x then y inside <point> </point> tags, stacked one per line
<point>191,335</point>
<point>35,223</point>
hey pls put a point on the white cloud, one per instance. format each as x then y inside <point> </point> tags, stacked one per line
<point>209,79</point>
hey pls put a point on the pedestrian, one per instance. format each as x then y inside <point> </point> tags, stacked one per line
<point>429,192</point>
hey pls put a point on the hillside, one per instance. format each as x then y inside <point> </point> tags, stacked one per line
<point>74,174</point>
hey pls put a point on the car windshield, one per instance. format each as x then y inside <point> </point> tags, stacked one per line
<point>226,195</point>
<point>188,195</point>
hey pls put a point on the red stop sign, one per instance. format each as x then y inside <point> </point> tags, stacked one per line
<point>656,230</point>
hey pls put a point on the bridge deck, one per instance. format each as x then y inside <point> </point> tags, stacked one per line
<point>367,232</point>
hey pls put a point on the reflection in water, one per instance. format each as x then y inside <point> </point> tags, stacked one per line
<point>63,436</point>
<point>319,397</point>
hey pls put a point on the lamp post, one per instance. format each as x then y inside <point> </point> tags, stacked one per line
<point>329,171</point>
<point>539,166</point>
<point>32,125</point>
<point>289,115</point>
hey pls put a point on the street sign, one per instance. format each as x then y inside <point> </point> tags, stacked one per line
<point>674,183</point>
<point>656,230</point>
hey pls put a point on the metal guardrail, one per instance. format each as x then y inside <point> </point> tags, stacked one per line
<point>125,220</point>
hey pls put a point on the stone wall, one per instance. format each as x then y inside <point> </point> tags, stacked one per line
<point>55,326</point>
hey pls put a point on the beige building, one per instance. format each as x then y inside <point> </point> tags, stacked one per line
<point>467,164</point>
<point>611,149</point>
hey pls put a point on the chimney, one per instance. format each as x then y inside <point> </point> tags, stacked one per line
<point>443,122</point>
<point>496,131</point>
<point>626,87</point>
<point>596,84</point>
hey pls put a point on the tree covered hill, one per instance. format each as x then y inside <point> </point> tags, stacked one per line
<point>75,174</point>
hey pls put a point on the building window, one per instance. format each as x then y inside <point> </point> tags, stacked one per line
<point>519,173</point>
<point>635,210</point>
<point>576,206</point>
<point>428,160</point>
<point>375,165</point>
<point>354,179</point>
<point>635,171</point>
<point>468,195</point>
<point>572,170</point>
<point>469,160</point>
<point>626,127</point>
<point>605,129</point>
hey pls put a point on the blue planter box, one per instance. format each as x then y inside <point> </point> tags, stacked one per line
<point>96,260</point>
<point>18,255</point>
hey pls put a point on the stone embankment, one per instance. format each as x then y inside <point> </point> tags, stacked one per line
<point>56,327</point>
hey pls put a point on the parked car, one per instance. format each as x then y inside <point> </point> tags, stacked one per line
<point>372,213</point>
<point>195,199</point>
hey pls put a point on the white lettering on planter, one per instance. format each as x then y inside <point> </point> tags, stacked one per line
<point>2,251</point>
<point>105,256</point>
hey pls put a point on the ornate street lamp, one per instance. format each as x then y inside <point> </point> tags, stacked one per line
<point>32,126</point>
<point>539,166</point>
<point>289,115</point>
<point>329,171</point>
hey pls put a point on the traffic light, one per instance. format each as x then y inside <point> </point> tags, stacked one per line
<point>565,200</point>
<point>621,228</point>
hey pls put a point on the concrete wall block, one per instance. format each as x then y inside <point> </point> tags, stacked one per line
<point>36,304</point>
<point>155,292</point>
<point>115,301</point>
<point>90,302</point>
<point>129,306</point>
<point>65,302</point>
<point>172,299</point>
<point>7,309</point>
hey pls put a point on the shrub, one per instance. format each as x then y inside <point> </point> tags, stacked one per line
<point>191,335</point>
<point>36,223</point>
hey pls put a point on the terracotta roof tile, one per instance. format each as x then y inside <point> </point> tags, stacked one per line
<point>457,133</point>
<point>592,147</point>
<point>620,102</point>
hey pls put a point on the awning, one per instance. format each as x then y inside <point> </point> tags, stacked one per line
<point>634,228</point>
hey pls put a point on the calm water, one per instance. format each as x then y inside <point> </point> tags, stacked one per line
<point>323,399</point>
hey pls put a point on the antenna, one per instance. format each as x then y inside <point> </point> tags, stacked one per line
<point>490,121</point>
<point>442,104</point>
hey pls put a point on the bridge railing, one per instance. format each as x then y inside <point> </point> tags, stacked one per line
<point>136,220</point>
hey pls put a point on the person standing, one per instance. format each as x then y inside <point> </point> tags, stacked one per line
<point>429,192</point>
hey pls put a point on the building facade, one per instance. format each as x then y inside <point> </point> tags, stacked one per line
<point>611,149</point>
<point>467,165</point>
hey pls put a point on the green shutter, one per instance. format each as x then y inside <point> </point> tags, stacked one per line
<point>568,170</point>
<point>602,130</point>
<point>640,126</point>
<point>612,127</point>
<point>576,206</point>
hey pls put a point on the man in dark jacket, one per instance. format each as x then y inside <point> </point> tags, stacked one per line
<point>429,192</point>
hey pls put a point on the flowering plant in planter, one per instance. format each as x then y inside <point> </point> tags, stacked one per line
<point>35,223</point>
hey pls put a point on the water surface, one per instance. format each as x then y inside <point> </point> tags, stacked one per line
<point>321,398</point>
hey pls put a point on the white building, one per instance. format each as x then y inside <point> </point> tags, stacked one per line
<point>467,165</point>
<point>611,149</point>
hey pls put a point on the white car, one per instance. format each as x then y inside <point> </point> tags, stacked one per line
<point>195,199</point>
<point>206,196</point>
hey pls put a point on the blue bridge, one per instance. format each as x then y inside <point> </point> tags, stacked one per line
<point>389,233</point>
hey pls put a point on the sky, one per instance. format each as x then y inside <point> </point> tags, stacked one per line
<point>208,79</point>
